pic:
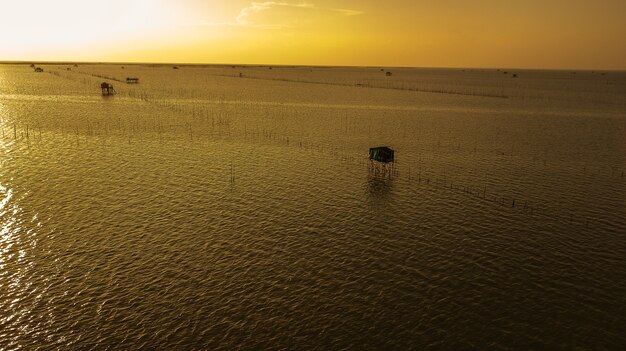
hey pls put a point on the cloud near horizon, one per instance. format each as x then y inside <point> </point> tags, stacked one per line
<point>253,14</point>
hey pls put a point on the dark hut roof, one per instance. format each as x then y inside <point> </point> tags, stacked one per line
<point>382,154</point>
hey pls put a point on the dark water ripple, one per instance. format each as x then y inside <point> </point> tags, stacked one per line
<point>122,229</point>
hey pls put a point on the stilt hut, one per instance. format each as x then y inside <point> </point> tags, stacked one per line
<point>382,160</point>
<point>382,154</point>
<point>107,89</point>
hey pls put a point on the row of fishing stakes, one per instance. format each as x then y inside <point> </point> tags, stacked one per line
<point>179,107</point>
<point>232,173</point>
<point>27,131</point>
<point>216,121</point>
<point>386,84</point>
<point>269,135</point>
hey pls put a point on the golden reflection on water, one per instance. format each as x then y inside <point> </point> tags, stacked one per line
<point>8,239</point>
<point>16,264</point>
<point>16,241</point>
<point>7,221</point>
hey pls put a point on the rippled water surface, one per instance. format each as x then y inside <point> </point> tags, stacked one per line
<point>234,208</point>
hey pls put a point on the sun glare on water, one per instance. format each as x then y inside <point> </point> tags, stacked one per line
<point>39,27</point>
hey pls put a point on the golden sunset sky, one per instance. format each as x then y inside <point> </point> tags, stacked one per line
<point>581,34</point>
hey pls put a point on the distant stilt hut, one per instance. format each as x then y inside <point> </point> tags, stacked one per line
<point>107,89</point>
<point>132,80</point>
<point>382,159</point>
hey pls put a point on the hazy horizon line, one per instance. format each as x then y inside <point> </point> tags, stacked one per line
<point>298,65</point>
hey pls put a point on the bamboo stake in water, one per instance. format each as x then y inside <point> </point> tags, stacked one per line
<point>232,173</point>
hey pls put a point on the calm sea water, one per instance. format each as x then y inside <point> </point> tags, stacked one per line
<point>234,208</point>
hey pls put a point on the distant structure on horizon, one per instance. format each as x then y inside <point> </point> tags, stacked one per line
<point>107,89</point>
